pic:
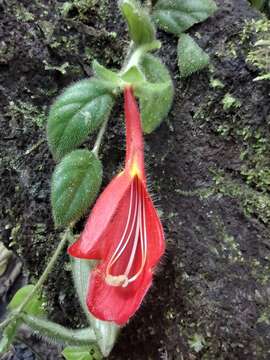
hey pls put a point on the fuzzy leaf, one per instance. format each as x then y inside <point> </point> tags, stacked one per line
<point>176,16</point>
<point>191,58</point>
<point>8,336</point>
<point>155,94</point>
<point>80,353</point>
<point>258,4</point>
<point>141,29</point>
<point>34,307</point>
<point>75,185</point>
<point>76,113</point>
<point>105,74</point>
<point>106,332</point>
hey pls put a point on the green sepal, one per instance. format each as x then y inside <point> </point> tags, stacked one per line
<point>176,16</point>
<point>141,29</point>
<point>75,114</point>
<point>133,75</point>
<point>34,307</point>
<point>81,353</point>
<point>106,331</point>
<point>155,94</point>
<point>75,184</point>
<point>191,58</point>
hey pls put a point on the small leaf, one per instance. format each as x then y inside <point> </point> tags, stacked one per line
<point>258,4</point>
<point>80,353</point>
<point>176,16</point>
<point>155,94</point>
<point>8,336</point>
<point>105,74</point>
<point>76,113</point>
<point>141,29</point>
<point>75,185</point>
<point>34,307</point>
<point>191,58</point>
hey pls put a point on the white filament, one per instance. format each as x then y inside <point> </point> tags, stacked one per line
<point>138,218</point>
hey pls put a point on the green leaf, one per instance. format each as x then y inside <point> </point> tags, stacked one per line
<point>75,184</point>
<point>34,307</point>
<point>258,4</point>
<point>106,332</point>
<point>8,336</point>
<point>191,58</point>
<point>155,94</point>
<point>81,353</point>
<point>75,114</point>
<point>105,74</point>
<point>141,29</point>
<point>176,16</point>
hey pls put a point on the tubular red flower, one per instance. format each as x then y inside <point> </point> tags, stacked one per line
<point>124,232</point>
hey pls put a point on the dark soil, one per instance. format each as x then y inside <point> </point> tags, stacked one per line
<point>210,299</point>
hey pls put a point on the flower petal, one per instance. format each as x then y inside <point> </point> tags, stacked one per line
<point>154,230</point>
<point>119,303</point>
<point>112,303</point>
<point>88,246</point>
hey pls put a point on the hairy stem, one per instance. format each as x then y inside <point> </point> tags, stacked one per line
<point>40,282</point>
<point>99,138</point>
<point>59,333</point>
<point>136,56</point>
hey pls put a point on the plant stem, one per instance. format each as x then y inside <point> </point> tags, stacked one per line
<point>59,333</point>
<point>135,56</point>
<point>100,137</point>
<point>40,282</point>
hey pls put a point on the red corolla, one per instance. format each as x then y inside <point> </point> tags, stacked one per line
<point>123,232</point>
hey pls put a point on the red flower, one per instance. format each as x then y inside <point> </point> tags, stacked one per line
<point>123,232</point>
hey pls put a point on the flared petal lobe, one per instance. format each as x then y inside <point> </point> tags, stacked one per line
<point>88,246</point>
<point>118,285</point>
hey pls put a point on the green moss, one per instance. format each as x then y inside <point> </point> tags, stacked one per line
<point>216,83</point>
<point>230,102</point>
<point>21,13</point>
<point>80,9</point>
<point>27,112</point>
<point>252,27</point>
<point>82,6</point>
<point>261,271</point>
<point>197,342</point>
<point>259,52</point>
<point>253,202</point>
<point>264,317</point>
<point>62,68</point>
